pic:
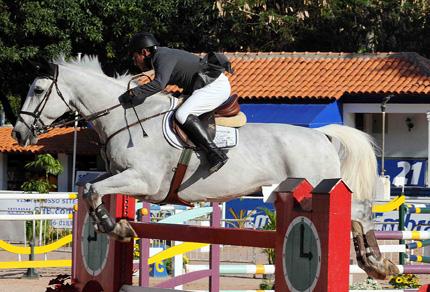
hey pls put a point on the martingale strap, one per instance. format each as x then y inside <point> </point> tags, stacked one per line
<point>172,196</point>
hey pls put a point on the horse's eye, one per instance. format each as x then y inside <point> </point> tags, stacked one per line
<point>38,90</point>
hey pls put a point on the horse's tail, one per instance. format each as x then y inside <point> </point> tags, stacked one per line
<point>357,159</point>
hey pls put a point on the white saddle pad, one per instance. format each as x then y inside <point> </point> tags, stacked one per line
<point>225,137</point>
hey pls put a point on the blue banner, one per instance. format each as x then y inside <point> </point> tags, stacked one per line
<point>413,170</point>
<point>247,213</point>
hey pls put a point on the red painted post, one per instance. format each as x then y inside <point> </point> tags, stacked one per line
<point>102,264</point>
<point>331,202</point>
<point>312,223</point>
<point>289,195</point>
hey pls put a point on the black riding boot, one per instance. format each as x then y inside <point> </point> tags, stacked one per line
<point>200,137</point>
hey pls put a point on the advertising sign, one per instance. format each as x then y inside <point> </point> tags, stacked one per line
<point>247,212</point>
<point>413,170</point>
<point>50,206</point>
<point>390,221</point>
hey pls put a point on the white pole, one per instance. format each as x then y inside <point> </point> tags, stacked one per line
<point>383,107</point>
<point>41,227</point>
<point>36,217</point>
<point>75,140</point>
<point>383,144</point>
<point>37,196</point>
<point>428,149</point>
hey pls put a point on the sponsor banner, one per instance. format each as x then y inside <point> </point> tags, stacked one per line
<point>413,170</point>
<point>81,174</point>
<point>414,222</point>
<point>50,206</point>
<point>249,211</point>
<point>390,221</point>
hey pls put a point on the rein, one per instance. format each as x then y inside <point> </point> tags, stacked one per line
<point>88,118</point>
<point>36,129</point>
<point>139,121</point>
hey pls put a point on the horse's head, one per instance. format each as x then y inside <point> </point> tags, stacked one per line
<point>44,104</point>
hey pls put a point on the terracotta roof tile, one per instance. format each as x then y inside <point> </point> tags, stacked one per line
<point>326,75</point>
<point>59,140</point>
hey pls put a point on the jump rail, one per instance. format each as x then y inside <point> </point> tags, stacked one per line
<point>323,227</point>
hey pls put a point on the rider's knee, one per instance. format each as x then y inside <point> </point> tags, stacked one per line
<point>181,115</point>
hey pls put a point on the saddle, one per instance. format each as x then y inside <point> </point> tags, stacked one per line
<point>227,114</point>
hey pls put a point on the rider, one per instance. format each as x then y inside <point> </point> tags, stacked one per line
<point>202,79</point>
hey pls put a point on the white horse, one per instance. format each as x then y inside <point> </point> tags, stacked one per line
<point>142,166</point>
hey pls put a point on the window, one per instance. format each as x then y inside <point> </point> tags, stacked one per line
<point>359,121</point>
<point>377,123</point>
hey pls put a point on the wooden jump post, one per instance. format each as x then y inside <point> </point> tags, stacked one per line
<point>311,241</point>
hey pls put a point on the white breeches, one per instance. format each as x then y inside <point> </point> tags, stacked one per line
<point>205,99</point>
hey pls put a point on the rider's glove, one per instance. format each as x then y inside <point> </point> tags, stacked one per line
<point>126,99</point>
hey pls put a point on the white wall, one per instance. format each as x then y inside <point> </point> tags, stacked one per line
<point>399,141</point>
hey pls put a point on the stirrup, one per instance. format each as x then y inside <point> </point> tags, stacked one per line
<point>216,160</point>
<point>216,167</point>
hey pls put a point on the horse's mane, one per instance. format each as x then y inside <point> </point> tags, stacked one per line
<point>91,64</point>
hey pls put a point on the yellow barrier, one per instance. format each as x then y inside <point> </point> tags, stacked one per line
<point>35,264</point>
<point>175,250</point>
<point>390,206</point>
<point>38,249</point>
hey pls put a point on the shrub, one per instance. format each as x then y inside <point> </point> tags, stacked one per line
<point>404,281</point>
<point>368,284</point>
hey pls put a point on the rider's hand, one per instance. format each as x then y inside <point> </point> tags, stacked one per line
<point>126,99</point>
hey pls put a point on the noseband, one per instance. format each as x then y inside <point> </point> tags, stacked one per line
<point>38,127</point>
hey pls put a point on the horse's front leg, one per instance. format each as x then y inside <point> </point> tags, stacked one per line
<point>124,182</point>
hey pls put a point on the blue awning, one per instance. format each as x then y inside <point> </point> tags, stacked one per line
<point>307,115</point>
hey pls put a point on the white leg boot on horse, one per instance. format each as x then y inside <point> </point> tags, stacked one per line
<point>103,222</point>
<point>369,257</point>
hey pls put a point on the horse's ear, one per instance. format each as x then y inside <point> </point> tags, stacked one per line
<point>34,65</point>
<point>43,68</point>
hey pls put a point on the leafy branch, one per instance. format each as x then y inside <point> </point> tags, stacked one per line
<point>46,164</point>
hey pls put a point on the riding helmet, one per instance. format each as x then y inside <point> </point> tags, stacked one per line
<point>141,40</point>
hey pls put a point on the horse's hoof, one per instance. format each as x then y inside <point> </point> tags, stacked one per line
<point>391,268</point>
<point>375,274</point>
<point>380,269</point>
<point>123,231</point>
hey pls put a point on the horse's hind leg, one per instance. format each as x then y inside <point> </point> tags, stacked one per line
<point>103,221</point>
<point>369,257</point>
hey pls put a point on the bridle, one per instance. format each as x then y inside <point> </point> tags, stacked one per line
<point>38,127</point>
